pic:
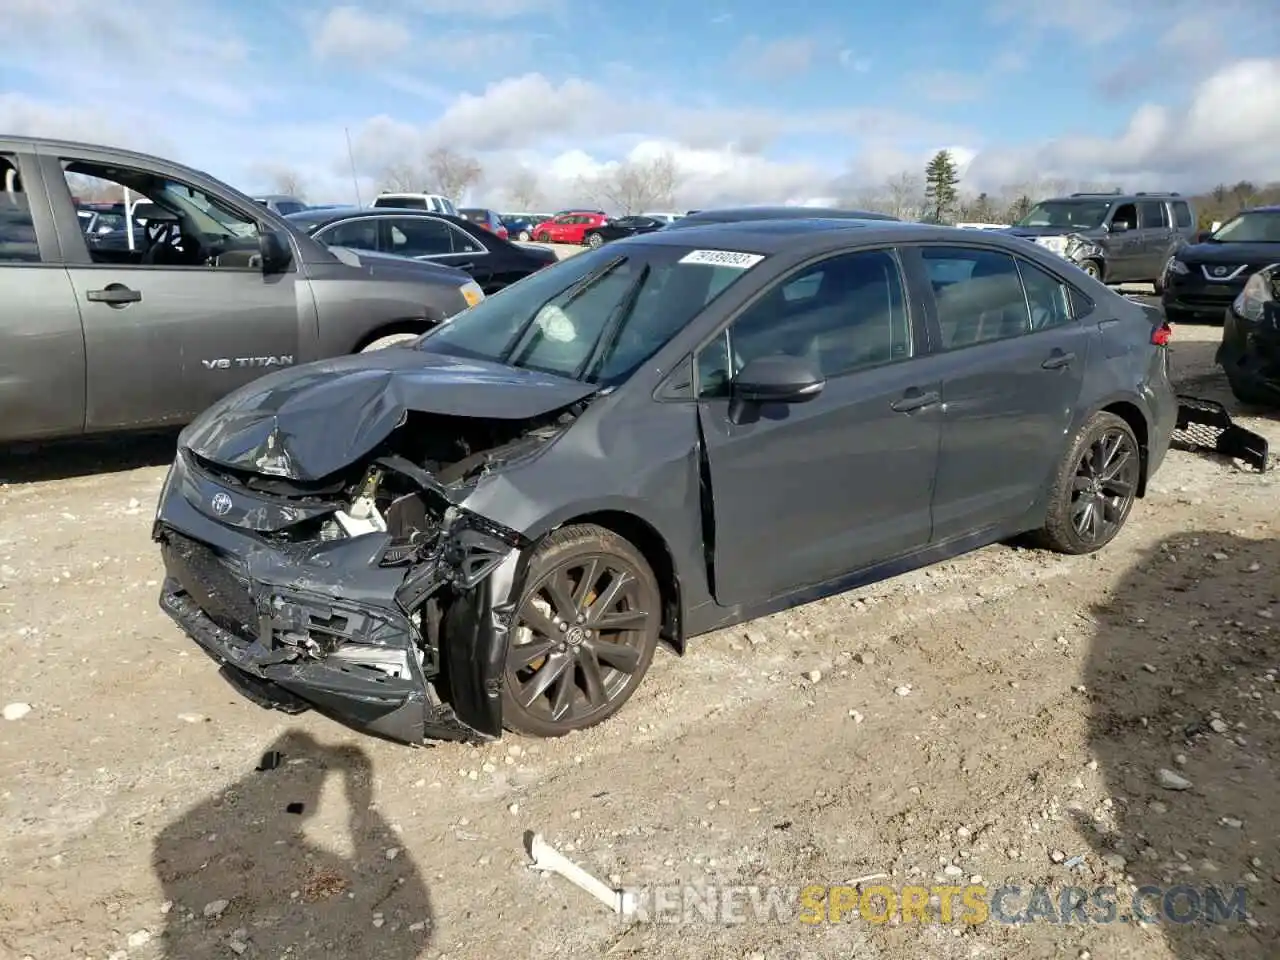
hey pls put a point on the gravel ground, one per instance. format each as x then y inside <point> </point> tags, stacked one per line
<point>1002,718</point>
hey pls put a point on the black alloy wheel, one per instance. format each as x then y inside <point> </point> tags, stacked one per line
<point>1095,488</point>
<point>585,634</point>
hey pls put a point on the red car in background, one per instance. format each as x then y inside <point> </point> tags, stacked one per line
<point>569,227</point>
<point>487,219</point>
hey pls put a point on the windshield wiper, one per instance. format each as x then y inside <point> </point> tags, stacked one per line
<point>590,367</point>
<point>574,293</point>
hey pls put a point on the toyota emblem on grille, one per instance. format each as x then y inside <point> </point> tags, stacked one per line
<point>1219,271</point>
<point>221,504</point>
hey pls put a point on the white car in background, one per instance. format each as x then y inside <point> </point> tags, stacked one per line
<point>664,217</point>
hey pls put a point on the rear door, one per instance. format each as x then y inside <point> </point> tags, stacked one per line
<point>1014,357</point>
<point>1157,236</point>
<point>843,481</point>
<point>42,365</point>
<point>172,325</point>
<point>430,238</point>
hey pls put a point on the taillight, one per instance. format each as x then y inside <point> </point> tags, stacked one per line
<point>1161,335</point>
<point>503,233</point>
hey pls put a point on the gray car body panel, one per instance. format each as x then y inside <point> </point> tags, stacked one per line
<point>70,366</point>
<point>724,508</point>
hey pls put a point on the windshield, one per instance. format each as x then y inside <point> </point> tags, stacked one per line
<point>596,316</point>
<point>1078,214</point>
<point>1256,226</point>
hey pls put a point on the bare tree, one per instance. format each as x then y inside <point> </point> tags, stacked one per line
<point>905,196</point>
<point>287,181</point>
<point>400,177</point>
<point>453,173</point>
<point>635,185</point>
<point>523,189</point>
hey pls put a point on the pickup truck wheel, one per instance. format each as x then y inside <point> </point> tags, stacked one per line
<point>389,340</point>
<point>585,634</point>
<point>1094,488</point>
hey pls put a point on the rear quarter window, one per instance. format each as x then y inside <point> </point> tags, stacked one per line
<point>1182,214</point>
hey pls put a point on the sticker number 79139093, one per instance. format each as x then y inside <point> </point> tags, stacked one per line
<point>722,258</point>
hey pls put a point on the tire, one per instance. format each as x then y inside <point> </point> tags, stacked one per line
<point>1093,268</point>
<point>523,236</point>
<point>594,240</point>
<point>549,650</point>
<point>543,238</point>
<point>1060,532</point>
<point>390,340</point>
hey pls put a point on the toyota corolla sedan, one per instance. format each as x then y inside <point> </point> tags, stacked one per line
<point>495,526</point>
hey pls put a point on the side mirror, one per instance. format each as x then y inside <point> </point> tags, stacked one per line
<point>777,379</point>
<point>277,252</point>
<point>1203,235</point>
<point>1120,226</point>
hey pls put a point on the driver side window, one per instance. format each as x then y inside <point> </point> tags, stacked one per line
<point>161,222</point>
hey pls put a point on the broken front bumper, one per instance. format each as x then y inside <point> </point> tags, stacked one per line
<point>326,625</point>
<point>1206,425</point>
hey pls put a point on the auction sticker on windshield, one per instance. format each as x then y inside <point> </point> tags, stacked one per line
<point>723,258</point>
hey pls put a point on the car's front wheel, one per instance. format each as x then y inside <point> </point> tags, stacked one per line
<point>543,238</point>
<point>1093,268</point>
<point>1094,488</point>
<point>586,631</point>
<point>523,235</point>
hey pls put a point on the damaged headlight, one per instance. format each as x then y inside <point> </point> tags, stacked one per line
<point>1176,266</point>
<point>1252,301</point>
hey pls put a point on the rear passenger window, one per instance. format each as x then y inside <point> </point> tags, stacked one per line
<point>1047,296</point>
<point>1183,214</point>
<point>1152,215</point>
<point>17,230</point>
<point>978,293</point>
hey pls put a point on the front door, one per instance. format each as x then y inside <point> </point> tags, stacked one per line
<point>183,314</point>
<point>1126,253</point>
<point>805,492</point>
<point>1014,363</point>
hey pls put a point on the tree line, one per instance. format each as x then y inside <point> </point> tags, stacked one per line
<point>935,194</point>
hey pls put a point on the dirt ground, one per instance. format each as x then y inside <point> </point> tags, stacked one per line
<point>1000,719</point>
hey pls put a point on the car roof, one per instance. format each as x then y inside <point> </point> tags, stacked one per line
<point>1112,196</point>
<point>738,214</point>
<point>319,217</point>
<point>814,235</point>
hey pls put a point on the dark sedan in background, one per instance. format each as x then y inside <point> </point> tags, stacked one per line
<point>1203,279</point>
<point>622,227</point>
<point>492,261</point>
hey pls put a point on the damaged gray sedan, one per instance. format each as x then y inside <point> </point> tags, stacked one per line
<point>497,525</point>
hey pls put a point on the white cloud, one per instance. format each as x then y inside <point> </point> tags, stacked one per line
<point>349,32</point>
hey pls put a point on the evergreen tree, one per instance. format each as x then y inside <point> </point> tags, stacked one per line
<point>940,187</point>
<point>1020,208</point>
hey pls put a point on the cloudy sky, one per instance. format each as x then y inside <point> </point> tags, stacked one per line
<point>758,101</point>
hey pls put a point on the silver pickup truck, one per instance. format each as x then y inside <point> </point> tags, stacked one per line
<point>107,333</point>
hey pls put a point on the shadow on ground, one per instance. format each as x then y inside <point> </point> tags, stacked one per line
<point>292,861</point>
<point>64,459</point>
<point>1182,679</point>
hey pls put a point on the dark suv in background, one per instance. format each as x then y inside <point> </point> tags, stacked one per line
<point>1203,279</point>
<point>1114,237</point>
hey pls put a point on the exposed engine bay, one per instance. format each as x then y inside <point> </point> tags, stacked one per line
<point>357,593</point>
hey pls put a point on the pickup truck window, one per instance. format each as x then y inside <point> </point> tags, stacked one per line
<point>185,227</point>
<point>17,231</point>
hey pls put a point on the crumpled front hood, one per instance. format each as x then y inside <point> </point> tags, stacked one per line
<point>306,422</point>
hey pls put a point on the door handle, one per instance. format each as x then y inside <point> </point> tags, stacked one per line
<point>1058,360</point>
<point>464,266</point>
<point>114,294</point>
<point>916,401</point>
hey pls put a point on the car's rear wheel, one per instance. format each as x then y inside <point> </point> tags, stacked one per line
<point>390,340</point>
<point>1094,488</point>
<point>586,631</point>
<point>543,238</point>
<point>594,240</point>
